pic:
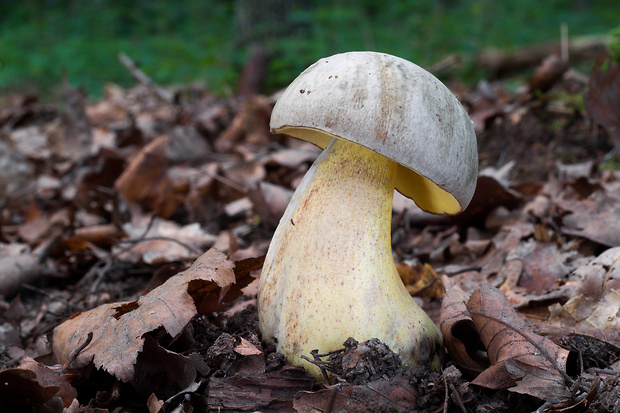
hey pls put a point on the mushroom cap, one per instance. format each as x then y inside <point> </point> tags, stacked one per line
<point>395,108</point>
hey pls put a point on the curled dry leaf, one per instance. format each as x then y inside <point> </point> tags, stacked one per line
<point>520,360</point>
<point>459,332</point>
<point>119,329</point>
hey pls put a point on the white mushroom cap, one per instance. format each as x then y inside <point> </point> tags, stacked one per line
<point>398,110</point>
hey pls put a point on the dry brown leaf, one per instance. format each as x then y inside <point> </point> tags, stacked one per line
<point>161,241</point>
<point>490,194</point>
<point>520,360</point>
<point>35,387</point>
<point>119,329</point>
<point>596,218</point>
<point>185,144</point>
<point>153,404</point>
<point>146,181</point>
<point>548,73</point>
<point>294,157</point>
<point>247,349</point>
<point>100,235</point>
<point>47,376</point>
<point>594,302</point>
<point>543,265</point>
<point>251,123</point>
<point>459,332</point>
<point>420,280</point>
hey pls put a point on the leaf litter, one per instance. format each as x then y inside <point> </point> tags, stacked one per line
<point>115,299</point>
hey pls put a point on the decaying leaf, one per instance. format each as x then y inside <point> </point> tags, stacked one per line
<point>520,360</point>
<point>459,332</point>
<point>596,218</point>
<point>35,387</point>
<point>420,279</point>
<point>158,240</point>
<point>595,300</point>
<point>119,329</point>
<point>542,265</point>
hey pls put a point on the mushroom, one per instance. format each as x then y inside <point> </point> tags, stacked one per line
<point>329,273</point>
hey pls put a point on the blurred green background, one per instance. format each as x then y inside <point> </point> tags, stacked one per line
<point>178,42</point>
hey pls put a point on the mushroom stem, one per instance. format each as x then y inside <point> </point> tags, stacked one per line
<point>329,273</point>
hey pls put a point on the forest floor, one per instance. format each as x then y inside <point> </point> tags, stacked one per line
<point>109,304</point>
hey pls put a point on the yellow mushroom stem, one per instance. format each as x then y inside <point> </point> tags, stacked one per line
<point>329,273</point>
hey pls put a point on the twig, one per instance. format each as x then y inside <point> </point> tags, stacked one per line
<point>446,397</point>
<point>332,399</point>
<point>77,351</point>
<point>564,41</point>
<point>101,267</point>
<point>160,238</point>
<point>324,366</point>
<point>141,77</point>
<point>227,181</point>
<point>458,398</point>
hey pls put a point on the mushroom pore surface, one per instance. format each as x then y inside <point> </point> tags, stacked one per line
<point>426,193</point>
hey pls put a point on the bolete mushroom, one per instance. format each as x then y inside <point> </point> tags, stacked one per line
<point>329,274</point>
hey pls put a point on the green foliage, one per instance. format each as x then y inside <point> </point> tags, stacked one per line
<point>611,164</point>
<point>198,40</point>
<point>614,45</point>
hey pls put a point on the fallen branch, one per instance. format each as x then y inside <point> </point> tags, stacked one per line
<point>141,77</point>
<point>502,63</point>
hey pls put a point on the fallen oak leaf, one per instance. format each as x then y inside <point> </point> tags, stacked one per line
<point>119,328</point>
<point>531,364</point>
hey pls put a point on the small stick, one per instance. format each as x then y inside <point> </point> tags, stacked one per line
<point>77,351</point>
<point>141,77</point>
